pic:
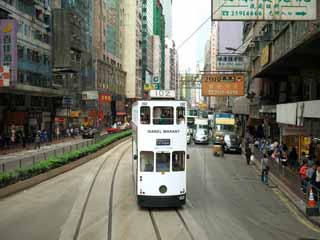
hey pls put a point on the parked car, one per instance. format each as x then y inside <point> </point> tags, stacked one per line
<point>201,136</point>
<point>188,137</point>
<point>232,143</point>
<point>90,133</point>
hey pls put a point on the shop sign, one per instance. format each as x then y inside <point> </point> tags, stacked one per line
<point>103,97</point>
<point>92,113</point>
<point>293,131</point>
<point>59,120</point>
<point>222,85</point>
<point>230,62</point>
<point>9,52</point>
<point>265,55</point>
<point>75,114</point>
<point>67,101</point>
<point>4,76</point>
<point>148,87</point>
<point>243,10</point>
<point>90,95</point>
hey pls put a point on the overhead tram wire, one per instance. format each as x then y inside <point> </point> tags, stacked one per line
<point>198,28</point>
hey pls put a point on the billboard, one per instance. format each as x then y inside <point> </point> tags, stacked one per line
<point>243,10</point>
<point>8,45</point>
<point>222,85</point>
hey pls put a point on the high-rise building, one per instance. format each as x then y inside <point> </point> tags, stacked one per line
<point>131,47</point>
<point>110,77</point>
<point>147,48</point>
<point>167,12</point>
<point>159,30</point>
<point>28,96</point>
<point>171,59</point>
<point>73,59</point>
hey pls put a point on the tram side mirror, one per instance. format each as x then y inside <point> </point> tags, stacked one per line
<point>135,157</point>
<point>188,156</point>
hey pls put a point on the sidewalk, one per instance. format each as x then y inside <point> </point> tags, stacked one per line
<point>288,183</point>
<point>30,146</point>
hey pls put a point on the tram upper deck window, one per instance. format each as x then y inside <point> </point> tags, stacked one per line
<point>145,115</point>
<point>180,115</point>
<point>146,161</point>
<point>178,161</point>
<point>163,162</point>
<point>163,115</point>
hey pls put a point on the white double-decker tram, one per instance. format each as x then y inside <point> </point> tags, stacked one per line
<point>159,150</point>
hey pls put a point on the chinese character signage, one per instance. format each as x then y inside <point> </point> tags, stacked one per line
<point>264,10</point>
<point>8,46</point>
<point>222,85</point>
<point>4,76</point>
<point>103,97</point>
<point>230,62</point>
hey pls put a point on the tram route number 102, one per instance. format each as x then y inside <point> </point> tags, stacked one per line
<point>162,93</point>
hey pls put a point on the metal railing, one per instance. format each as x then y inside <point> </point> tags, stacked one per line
<point>290,177</point>
<point>14,164</point>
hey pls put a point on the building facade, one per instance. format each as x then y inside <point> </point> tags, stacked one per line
<point>284,82</point>
<point>28,97</point>
<point>167,12</point>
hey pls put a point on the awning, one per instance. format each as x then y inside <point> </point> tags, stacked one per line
<point>241,105</point>
<point>121,113</point>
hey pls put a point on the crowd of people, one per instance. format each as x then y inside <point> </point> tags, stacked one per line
<point>17,137</point>
<point>305,167</point>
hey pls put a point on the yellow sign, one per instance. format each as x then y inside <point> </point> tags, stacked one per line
<point>265,55</point>
<point>225,121</point>
<point>7,28</point>
<point>75,114</point>
<point>222,85</point>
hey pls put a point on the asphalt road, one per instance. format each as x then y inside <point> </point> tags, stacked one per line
<point>229,201</point>
<point>225,201</point>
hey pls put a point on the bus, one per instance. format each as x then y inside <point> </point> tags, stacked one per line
<point>159,150</point>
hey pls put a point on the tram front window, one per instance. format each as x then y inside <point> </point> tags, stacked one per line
<point>178,161</point>
<point>163,162</point>
<point>145,115</point>
<point>146,161</point>
<point>162,115</point>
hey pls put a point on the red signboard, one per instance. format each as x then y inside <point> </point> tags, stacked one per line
<point>104,97</point>
<point>4,76</point>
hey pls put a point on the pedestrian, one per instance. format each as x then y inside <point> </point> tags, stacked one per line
<point>293,157</point>
<point>23,137</point>
<point>315,182</point>
<point>37,140</point>
<point>265,169</point>
<point>303,177</point>
<point>303,159</point>
<point>248,154</point>
<point>13,136</point>
<point>72,132</point>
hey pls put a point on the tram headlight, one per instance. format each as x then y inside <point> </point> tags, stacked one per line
<point>163,189</point>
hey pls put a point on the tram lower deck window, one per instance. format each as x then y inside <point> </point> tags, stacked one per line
<point>163,115</point>
<point>178,161</point>
<point>163,162</point>
<point>146,161</point>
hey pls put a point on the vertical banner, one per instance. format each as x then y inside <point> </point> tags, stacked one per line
<point>8,47</point>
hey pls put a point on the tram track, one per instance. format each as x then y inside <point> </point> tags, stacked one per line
<point>79,224</point>
<point>181,219</point>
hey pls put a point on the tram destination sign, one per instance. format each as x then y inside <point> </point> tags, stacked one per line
<point>241,10</point>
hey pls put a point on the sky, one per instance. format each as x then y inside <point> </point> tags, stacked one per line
<point>187,16</point>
